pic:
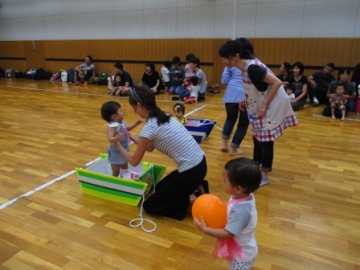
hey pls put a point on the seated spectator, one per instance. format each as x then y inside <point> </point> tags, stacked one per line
<point>319,84</point>
<point>285,72</point>
<point>298,82</point>
<point>349,93</point>
<point>125,83</point>
<point>355,79</point>
<point>151,78</point>
<point>85,70</point>
<point>177,76</point>
<point>198,72</point>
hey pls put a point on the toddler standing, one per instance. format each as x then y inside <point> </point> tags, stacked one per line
<point>236,242</point>
<point>117,131</point>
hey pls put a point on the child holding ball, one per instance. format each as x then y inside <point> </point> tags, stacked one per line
<point>236,242</point>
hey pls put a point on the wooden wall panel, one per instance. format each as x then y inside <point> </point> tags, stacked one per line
<point>14,64</point>
<point>66,49</point>
<point>34,58</point>
<point>12,49</point>
<point>355,52</point>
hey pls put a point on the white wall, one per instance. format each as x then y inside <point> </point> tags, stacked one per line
<point>150,19</point>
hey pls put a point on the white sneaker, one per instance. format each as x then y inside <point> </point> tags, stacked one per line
<point>308,100</point>
<point>315,102</point>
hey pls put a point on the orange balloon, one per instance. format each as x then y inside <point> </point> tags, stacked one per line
<point>212,209</point>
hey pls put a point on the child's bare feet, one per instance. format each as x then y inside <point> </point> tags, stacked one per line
<point>224,147</point>
<point>343,118</point>
<point>333,117</point>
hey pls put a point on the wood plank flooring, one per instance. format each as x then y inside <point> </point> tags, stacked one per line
<point>308,217</point>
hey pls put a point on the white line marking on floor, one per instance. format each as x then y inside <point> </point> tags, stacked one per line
<point>197,109</point>
<point>4,205</point>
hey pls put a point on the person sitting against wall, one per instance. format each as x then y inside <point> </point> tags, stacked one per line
<point>298,82</point>
<point>151,78</point>
<point>319,84</point>
<point>355,79</point>
<point>285,72</point>
<point>86,70</point>
<point>126,81</point>
<point>349,93</point>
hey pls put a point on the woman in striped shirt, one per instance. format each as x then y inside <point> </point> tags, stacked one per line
<point>175,192</point>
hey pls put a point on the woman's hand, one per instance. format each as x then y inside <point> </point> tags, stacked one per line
<point>262,110</point>
<point>242,105</point>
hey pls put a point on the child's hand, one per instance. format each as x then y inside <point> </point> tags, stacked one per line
<point>200,224</point>
<point>139,121</point>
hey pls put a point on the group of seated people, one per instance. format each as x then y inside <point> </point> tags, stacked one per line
<point>322,87</point>
<point>188,83</point>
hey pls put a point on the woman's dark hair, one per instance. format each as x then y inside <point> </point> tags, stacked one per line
<point>300,66</point>
<point>194,80</point>
<point>90,58</point>
<point>287,67</point>
<point>143,95</point>
<point>178,107</point>
<point>244,172</point>
<point>167,64</point>
<point>240,46</point>
<point>108,109</point>
<point>196,61</point>
<point>151,66</point>
<point>343,70</point>
<point>189,57</point>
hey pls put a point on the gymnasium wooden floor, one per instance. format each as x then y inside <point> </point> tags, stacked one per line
<point>308,217</point>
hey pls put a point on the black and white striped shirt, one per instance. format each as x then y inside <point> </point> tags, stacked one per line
<point>175,141</point>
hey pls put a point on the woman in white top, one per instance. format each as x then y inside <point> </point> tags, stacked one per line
<point>175,192</point>
<point>267,104</point>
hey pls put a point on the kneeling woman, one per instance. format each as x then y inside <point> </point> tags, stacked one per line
<point>174,193</point>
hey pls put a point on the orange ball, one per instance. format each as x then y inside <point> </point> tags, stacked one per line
<point>212,209</point>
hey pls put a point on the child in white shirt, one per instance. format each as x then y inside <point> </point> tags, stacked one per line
<point>290,92</point>
<point>165,74</point>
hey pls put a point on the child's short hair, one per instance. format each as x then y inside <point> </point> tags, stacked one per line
<point>108,109</point>
<point>194,80</point>
<point>167,64</point>
<point>244,172</point>
<point>178,107</point>
<point>341,85</point>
